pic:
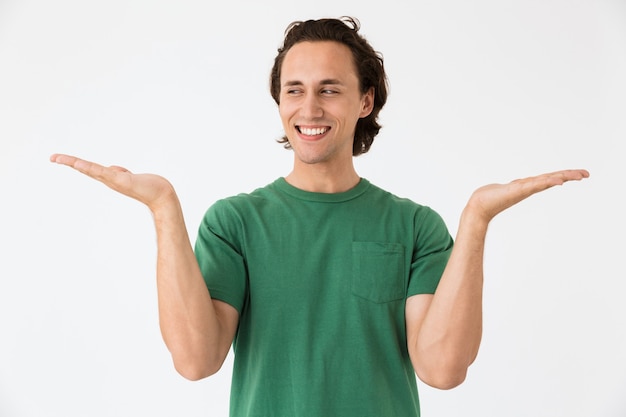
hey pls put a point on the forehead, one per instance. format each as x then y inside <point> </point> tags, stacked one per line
<point>319,59</point>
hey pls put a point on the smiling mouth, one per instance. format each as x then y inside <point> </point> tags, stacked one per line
<point>312,131</point>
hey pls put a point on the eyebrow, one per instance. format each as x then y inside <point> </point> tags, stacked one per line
<point>328,81</point>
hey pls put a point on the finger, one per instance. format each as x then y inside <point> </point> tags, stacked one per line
<point>88,168</point>
<point>544,182</point>
<point>81,165</point>
<point>574,174</point>
<point>68,160</point>
<point>568,174</point>
<point>77,163</point>
<point>63,159</point>
<point>551,179</point>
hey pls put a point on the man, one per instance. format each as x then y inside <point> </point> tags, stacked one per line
<point>332,292</point>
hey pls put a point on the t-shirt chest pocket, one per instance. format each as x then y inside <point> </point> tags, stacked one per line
<point>378,271</point>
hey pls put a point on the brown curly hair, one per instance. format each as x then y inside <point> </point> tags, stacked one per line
<point>368,62</point>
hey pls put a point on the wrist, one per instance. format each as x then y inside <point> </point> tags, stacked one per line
<point>167,206</point>
<point>474,221</point>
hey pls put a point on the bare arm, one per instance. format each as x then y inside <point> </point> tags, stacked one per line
<point>444,330</point>
<point>197,330</point>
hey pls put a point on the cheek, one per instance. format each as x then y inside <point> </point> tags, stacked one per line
<point>284,120</point>
<point>281,113</point>
<point>285,111</point>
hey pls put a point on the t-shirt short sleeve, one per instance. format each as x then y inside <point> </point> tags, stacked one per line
<point>432,251</point>
<point>219,255</point>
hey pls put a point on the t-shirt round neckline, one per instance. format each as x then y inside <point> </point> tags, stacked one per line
<point>282,185</point>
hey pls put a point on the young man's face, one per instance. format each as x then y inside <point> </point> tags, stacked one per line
<point>320,101</point>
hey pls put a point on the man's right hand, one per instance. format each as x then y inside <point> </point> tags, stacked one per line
<point>152,190</point>
<point>197,330</point>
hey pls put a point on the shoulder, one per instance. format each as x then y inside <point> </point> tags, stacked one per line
<point>377,193</point>
<point>239,205</point>
<point>422,215</point>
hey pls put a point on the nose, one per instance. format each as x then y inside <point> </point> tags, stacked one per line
<point>311,107</point>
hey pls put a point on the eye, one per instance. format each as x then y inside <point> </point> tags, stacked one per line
<point>329,92</point>
<point>292,91</point>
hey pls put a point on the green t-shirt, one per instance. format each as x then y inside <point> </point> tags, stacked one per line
<point>320,283</point>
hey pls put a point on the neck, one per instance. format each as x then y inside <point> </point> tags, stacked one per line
<point>319,178</point>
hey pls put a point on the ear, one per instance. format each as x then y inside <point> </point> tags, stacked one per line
<point>367,103</point>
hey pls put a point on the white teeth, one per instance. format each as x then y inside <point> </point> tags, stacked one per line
<point>313,132</point>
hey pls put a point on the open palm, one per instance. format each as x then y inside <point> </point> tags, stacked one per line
<point>149,189</point>
<point>489,200</point>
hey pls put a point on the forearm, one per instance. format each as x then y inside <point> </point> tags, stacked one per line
<point>197,331</point>
<point>450,334</point>
<point>189,322</point>
<point>444,331</point>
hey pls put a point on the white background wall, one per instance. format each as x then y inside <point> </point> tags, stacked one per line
<point>482,91</point>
